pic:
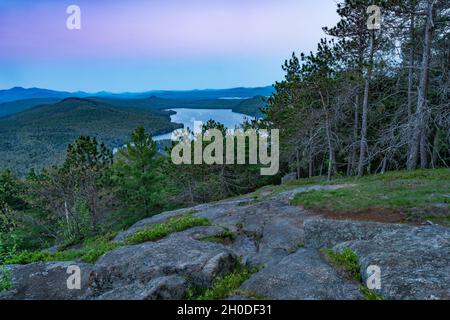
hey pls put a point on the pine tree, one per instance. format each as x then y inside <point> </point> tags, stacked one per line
<point>136,176</point>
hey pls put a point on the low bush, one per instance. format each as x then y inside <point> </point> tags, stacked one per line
<point>159,231</point>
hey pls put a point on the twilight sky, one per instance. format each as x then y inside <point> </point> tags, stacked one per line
<point>138,45</point>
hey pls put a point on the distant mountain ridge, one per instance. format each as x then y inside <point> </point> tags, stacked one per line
<point>19,93</point>
<point>249,106</point>
<point>16,106</point>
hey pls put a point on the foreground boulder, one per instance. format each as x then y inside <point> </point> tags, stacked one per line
<point>45,281</point>
<point>159,288</point>
<point>211,209</point>
<point>145,223</point>
<point>325,233</point>
<point>414,261</point>
<point>162,269</point>
<point>304,275</point>
<point>265,231</point>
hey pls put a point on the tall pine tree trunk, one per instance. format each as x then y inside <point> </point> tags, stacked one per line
<point>434,157</point>
<point>363,141</point>
<point>331,156</point>
<point>418,139</point>
<point>410,78</point>
<point>331,161</point>
<point>423,149</point>
<point>352,162</point>
<point>411,64</point>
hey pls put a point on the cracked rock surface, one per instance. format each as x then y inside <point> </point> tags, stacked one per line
<point>157,269</point>
<point>284,241</point>
<point>303,275</point>
<point>45,281</point>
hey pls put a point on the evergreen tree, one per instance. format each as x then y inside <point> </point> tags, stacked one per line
<point>136,175</point>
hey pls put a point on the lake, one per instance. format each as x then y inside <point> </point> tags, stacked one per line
<point>187,117</point>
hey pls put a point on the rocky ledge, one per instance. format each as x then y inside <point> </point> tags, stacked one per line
<point>283,241</point>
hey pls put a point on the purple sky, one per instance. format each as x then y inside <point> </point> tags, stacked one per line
<point>135,45</point>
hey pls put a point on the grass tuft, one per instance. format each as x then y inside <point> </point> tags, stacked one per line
<point>225,286</point>
<point>225,237</point>
<point>370,294</point>
<point>89,253</point>
<point>5,279</point>
<point>159,231</point>
<point>346,259</point>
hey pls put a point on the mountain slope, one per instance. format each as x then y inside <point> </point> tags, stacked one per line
<point>30,98</point>
<point>12,107</point>
<point>250,107</point>
<point>243,93</point>
<point>39,136</point>
<point>19,93</point>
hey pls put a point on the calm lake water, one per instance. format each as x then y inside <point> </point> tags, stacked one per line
<point>187,117</point>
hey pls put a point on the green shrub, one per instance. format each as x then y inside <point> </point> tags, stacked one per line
<point>26,257</point>
<point>346,259</point>
<point>225,237</point>
<point>5,279</point>
<point>370,294</point>
<point>158,231</point>
<point>94,248</point>
<point>225,286</point>
<point>90,253</point>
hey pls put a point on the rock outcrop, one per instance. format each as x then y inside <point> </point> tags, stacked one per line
<point>161,269</point>
<point>45,281</point>
<point>284,241</point>
<point>303,275</point>
<point>325,233</point>
<point>414,261</point>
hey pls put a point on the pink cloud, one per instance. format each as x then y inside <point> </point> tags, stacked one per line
<point>164,28</point>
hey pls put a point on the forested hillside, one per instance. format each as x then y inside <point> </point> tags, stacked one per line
<point>16,106</point>
<point>38,137</point>
<point>249,106</point>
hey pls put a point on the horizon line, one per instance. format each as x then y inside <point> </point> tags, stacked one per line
<point>136,92</point>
